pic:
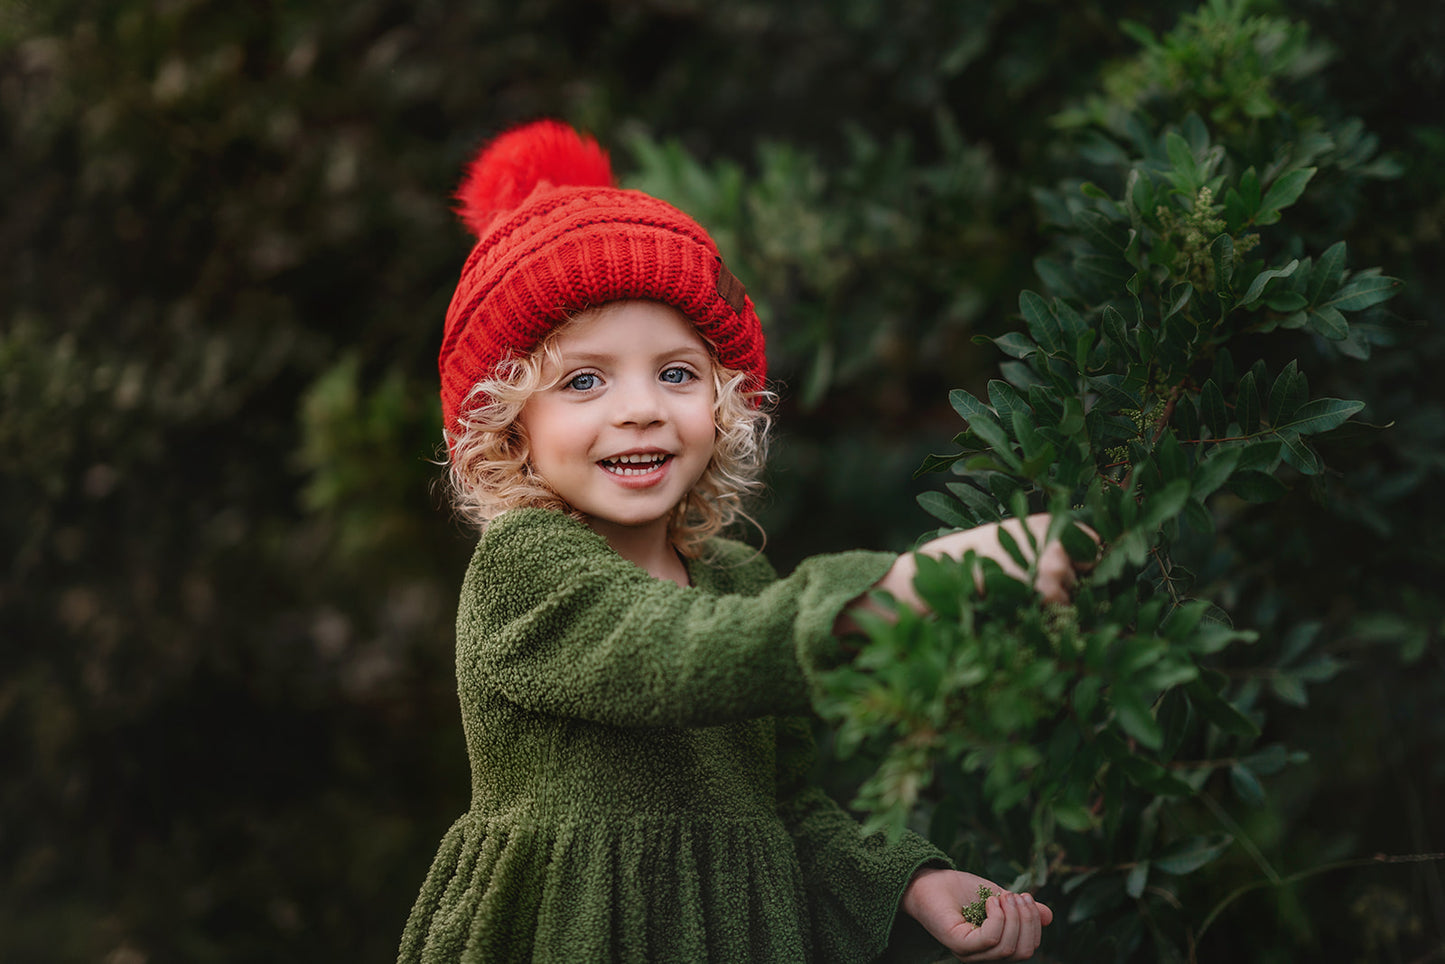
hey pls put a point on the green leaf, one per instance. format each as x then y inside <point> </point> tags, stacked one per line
<point>1197,517</point>
<point>1072,816</point>
<point>1255,486</point>
<point>1246,404</point>
<point>1299,453</point>
<point>1005,399</point>
<point>1268,761</point>
<point>1134,715</point>
<point>1116,332</point>
<point>1326,273</point>
<point>1102,270</point>
<point>1322,414</point>
<point>1186,419</point>
<point>1086,696</point>
<point>1237,213</point>
<point>938,463</point>
<point>1168,503</point>
<point>1139,33</point>
<point>1136,880</point>
<point>1147,774</point>
<point>1287,394</point>
<point>1100,229</point>
<point>1286,189</point>
<point>1146,340</point>
<point>937,586</point>
<point>1025,431</point>
<point>1074,325</point>
<point>1188,855</point>
<point>1011,546</point>
<point>1211,404</point>
<point>1329,322</point>
<point>1181,158</point>
<point>1140,195</point>
<point>1222,250</point>
<point>1364,292</point>
<point>1056,278</point>
<point>1015,344</point>
<point>1096,898</point>
<point>1290,689</point>
<point>1257,286</point>
<point>1078,544</point>
<point>1183,620</point>
<point>1003,487</point>
<point>1179,296</point>
<point>1213,637</point>
<point>1213,471</point>
<point>1320,669</point>
<point>1287,302</point>
<point>980,503</point>
<point>993,435</point>
<point>1246,785</point>
<point>1170,458</point>
<point>946,510</point>
<point>1042,323</point>
<point>1250,188</point>
<point>1220,711</point>
<point>967,406</point>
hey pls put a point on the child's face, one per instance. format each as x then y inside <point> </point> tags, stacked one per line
<point>628,430</point>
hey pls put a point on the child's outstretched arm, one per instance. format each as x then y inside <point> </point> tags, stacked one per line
<point>1054,578</point>
<point>1011,931</point>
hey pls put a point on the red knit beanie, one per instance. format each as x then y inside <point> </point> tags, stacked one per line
<point>556,237</point>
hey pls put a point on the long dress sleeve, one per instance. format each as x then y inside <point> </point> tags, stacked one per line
<point>563,625</point>
<point>854,882</point>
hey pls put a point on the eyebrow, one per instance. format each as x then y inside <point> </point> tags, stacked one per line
<point>684,352</point>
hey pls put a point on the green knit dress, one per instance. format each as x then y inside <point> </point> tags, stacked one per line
<point>640,763</point>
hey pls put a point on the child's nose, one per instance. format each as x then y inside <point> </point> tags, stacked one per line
<point>638,404</point>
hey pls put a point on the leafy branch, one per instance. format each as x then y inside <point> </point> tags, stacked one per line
<point>1092,730</point>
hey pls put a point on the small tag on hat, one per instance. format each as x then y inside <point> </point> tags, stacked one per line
<point>730,289</point>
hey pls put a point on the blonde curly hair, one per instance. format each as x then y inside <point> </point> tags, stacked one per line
<point>489,471</point>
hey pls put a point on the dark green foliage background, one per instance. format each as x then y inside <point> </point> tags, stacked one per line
<point>226,703</point>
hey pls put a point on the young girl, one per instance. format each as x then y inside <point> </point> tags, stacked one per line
<point>635,689</point>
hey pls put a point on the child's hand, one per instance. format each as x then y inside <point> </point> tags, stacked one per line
<point>1011,932</point>
<point>1056,573</point>
<point>1054,578</point>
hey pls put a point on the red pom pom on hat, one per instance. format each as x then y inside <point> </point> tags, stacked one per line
<point>544,153</point>
<point>555,237</point>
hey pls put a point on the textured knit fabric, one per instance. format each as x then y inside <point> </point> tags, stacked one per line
<point>569,247</point>
<point>640,766</point>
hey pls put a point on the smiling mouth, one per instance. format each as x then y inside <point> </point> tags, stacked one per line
<point>628,465</point>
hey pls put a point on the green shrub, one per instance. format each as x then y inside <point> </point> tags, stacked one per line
<point>1087,749</point>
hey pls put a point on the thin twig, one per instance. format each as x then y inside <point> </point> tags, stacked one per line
<point>1302,875</point>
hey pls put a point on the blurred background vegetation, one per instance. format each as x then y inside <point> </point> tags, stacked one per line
<point>227,707</point>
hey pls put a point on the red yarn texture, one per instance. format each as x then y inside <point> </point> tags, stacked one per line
<point>556,238</point>
<point>509,168</point>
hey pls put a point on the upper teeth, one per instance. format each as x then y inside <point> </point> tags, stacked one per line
<point>634,464</point>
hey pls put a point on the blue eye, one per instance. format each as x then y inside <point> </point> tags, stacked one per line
<point>584,382</point>
<point>677,375</point>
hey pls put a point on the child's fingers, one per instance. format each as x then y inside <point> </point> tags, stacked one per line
<point>1030,928</point>
<point>1012,931</point>
<point>975,942</point>
<point>993,940</point>
<point>1008,942</point>
<point>1057,576</point>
